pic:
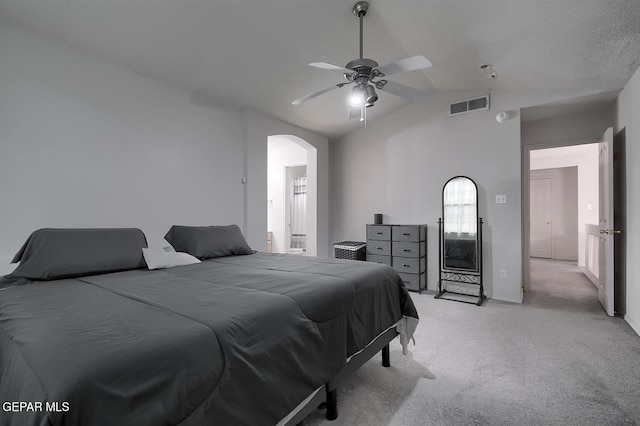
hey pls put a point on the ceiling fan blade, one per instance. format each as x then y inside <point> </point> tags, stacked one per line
<point>318,93</point>
<point>327,66</point>
<point>405,91</point>
<point>405,65</point>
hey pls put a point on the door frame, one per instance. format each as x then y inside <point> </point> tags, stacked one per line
<point>620,221</point>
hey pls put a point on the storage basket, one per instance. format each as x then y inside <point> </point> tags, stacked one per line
<point>352,250</point>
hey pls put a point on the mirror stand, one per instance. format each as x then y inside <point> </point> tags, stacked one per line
<point>460,242</point>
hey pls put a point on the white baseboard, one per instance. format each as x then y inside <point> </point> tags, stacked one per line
<point>633,325</point>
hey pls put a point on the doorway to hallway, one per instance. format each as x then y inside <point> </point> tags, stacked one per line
<point>563,201</point>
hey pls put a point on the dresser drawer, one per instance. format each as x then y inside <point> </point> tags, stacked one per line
<point>375,258</point>
<point>409,265</point>
<point>378,232</point>
<point>407,233</point>
<point>379,247</point>
<point>412,281</point>
<point>407,249</point>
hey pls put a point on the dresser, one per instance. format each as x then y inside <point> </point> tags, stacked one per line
<point>404,247</point>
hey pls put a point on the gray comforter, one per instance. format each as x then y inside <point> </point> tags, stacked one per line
<point>233,340</point>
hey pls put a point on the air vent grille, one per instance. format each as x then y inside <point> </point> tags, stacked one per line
<point>469,105</point>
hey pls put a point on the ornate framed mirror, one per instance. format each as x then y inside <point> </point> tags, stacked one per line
<point>460,241</point>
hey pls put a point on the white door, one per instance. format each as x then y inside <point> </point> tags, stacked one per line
<point>541,208</point>
<point>605,184</point>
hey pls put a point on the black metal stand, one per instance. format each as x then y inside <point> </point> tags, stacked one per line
<point>460,276</point>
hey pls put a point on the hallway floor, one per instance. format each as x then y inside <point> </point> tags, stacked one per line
<point>561,284</point>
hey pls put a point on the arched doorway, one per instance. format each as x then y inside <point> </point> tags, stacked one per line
<point>291,195</point>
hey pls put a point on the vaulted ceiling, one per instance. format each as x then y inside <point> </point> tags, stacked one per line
<point>255,53</point>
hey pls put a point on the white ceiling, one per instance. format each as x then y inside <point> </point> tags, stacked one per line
<point>254,53</point>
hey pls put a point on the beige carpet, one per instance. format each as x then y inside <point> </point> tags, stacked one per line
<point>557,359</point>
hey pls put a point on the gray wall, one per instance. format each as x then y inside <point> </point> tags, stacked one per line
<point>89,144</point>
<point>582,127</point>
<point>398,164</point>
<point>84,143</point>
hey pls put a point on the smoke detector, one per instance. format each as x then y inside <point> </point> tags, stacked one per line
<point>488,70</point>
<point>503,116</point>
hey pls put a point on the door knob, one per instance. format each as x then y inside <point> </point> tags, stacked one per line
<point>609,231</point>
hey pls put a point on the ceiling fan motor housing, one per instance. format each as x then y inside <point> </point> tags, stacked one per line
<point>361,63</point>
<point>361,68</point>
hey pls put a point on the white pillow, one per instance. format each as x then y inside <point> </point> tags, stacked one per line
<point>160,258</point>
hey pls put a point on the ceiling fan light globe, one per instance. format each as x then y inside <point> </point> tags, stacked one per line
<point>371,95</point>
<point>355,100</point>
<point>357,96</point>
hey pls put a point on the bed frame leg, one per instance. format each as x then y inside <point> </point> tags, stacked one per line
<point>332,403</point>
<point>386,362</point>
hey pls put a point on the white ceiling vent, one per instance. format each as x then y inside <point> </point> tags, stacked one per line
<point>469,105</point>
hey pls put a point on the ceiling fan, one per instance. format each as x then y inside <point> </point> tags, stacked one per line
<point>367,76</point>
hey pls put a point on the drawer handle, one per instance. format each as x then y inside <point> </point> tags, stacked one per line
<point>406,234</point>
<point>380,248</point>
<point>379,233</point>
<point>406,249</point>
<point>406,266</point>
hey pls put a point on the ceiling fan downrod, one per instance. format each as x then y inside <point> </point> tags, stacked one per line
<point>360,10</point>
<point>361,67</point>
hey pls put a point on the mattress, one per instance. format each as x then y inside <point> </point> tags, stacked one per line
<point>230,340</point>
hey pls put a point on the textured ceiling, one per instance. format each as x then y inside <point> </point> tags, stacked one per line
<point>254,53</point>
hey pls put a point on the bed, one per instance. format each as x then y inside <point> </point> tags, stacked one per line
<point>90,335</point>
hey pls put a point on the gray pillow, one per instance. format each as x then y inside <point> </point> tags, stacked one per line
<point>50,254</point>
<point>206,242</point>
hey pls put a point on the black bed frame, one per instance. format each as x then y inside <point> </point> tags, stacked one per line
<point>330,395</point>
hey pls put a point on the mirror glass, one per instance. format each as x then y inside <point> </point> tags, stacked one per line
<point>460,222</point>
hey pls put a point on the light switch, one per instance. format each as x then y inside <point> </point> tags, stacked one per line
<point>501,199</point>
